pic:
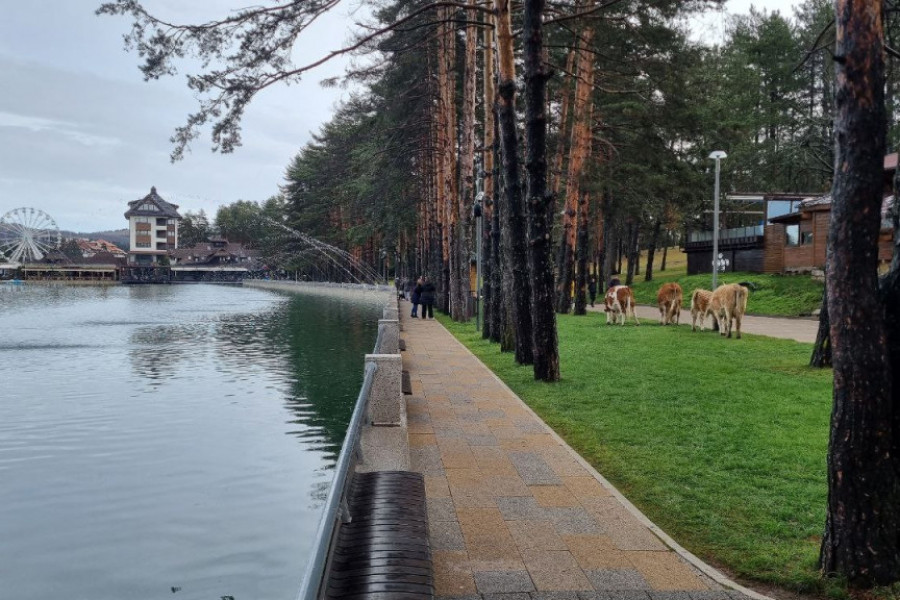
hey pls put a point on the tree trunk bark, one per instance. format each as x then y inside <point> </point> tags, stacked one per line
<point>632,253</point>
<point>500,301</point>
<point>516,259</point>
<point>609,251</point>
<point>821,356</point>
<point>489,180</point>
<point>556,169</point>
<point>451,181</point>
<point>582,252</point>
<point>861,541</point>
<point>662,267</point>
<point>467,173</point>
<point>651,250</point>
<point>579,148</point>
<point>545,352</point>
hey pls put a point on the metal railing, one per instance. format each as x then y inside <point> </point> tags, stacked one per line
<point>379,338</point>
<point>334,505</point>
<point>726,234</point>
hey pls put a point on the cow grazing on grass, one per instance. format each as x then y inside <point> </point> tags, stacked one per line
<point>728,305</point>
<point>699,308</point>
<point>669,299</point>
<point>619,302</point>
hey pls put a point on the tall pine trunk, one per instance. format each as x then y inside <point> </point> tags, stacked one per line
<point>821,356</point>
<point>579,148</point>
<point>632,251</point>
<point>516,258</point>
<point>566,93</point>
<point>467,174</point>
<point>545,352</point>
<point>500,301</point>
<point>489,180</point>
<point>447,82</point>
<point>861,541</point>
<point>651,250</point>
<point>582,251</point>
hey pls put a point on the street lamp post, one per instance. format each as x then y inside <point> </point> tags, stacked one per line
<point>717,156</point>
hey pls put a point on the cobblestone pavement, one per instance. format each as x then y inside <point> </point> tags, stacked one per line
<point>799,329</point>
<point>513,512</point>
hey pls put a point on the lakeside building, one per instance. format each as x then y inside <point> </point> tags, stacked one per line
<point>779,233</point>
<point>216,259</point>
<point>90,248</point>
<point>55,266</point>
<point>153,230</point>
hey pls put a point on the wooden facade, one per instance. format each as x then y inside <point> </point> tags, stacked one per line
<point>805,247</point>
<point>794,242</point>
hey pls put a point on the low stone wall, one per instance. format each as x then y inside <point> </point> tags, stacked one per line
<point>384,440</point>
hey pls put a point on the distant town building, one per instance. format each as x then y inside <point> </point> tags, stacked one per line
<point>91,247</point>
<point>216,259</point>
<point>153,229</point>
<point>102,266</point>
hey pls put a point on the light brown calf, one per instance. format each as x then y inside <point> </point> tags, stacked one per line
<point>669,299</point>
<point>619,302</point>
<point>699,307</point>
<point>728,305</point>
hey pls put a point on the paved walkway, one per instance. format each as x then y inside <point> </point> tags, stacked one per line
<point>800,329</point>
<point>512,509</point>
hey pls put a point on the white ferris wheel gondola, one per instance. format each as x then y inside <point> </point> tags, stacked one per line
<point>27,235</point>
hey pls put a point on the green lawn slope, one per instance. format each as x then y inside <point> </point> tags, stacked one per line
<point>776,295</point>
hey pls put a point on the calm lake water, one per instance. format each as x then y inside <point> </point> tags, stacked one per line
<point>170,441</point>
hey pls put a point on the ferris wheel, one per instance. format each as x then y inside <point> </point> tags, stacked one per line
<point>27,234</point>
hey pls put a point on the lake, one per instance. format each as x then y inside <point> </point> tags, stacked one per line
<point>170,441</point>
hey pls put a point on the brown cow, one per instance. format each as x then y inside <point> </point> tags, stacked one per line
<point>699,307</point>
<point>728,305</point>
<point>619,302</point>
<point>669,299</point>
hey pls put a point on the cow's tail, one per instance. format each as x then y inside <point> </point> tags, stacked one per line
<point>694,298</point>
<point>740,296</point>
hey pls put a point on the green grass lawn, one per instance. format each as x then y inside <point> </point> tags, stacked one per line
<point>720,442</point>
<point>782,295</point>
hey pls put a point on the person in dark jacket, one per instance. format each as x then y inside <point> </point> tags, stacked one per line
<point>428,291</point>
<point>416,299</point>
<point>592,289</point>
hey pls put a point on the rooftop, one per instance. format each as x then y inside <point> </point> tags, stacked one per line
<point>152,205</point>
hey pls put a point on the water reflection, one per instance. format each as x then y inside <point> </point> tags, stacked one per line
<point>169,437</point>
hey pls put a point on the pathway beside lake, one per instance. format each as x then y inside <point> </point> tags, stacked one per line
<point>512,509</point>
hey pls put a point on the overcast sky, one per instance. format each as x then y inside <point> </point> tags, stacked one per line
<point>81,133</point>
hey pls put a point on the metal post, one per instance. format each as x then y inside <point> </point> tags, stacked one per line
<point>718,155</point>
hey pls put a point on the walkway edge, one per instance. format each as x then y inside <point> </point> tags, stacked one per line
<point>692,559</point>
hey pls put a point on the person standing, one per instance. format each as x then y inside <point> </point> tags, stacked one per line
<point>428,291</point>
<point>592,289</point>
<point>416,299</point>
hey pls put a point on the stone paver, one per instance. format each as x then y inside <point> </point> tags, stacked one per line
<point>513,512</point>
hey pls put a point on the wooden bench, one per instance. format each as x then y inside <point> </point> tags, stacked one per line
<point>383,552</point>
